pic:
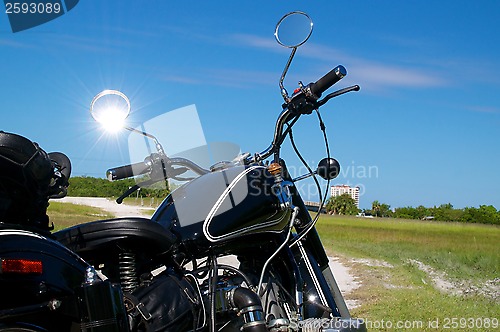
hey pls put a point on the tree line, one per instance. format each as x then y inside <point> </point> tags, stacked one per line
<point>85,186</point>
<point>485,214</point>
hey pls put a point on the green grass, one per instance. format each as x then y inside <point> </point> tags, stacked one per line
<point>464,253</point>
<point>64,215</point>
<point>401,293</point>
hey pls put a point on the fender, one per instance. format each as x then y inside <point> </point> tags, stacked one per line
<point>46,285</point>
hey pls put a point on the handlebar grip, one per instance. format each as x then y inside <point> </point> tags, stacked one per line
<point>127,171</point>
<point>335,75</point>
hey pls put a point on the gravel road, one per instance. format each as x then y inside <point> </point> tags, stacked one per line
<point>119,210</point>
<point>347,283</point>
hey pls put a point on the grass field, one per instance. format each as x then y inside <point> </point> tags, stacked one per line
<point>423,276</point>
<point>64,215</point>
<point>400,264</point>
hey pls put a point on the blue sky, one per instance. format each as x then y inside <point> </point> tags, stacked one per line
<point>424,129</point>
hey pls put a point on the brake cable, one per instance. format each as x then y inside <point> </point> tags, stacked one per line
<point>297,152</point>
<point>322,197</point>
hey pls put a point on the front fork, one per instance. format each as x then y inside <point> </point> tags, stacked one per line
<point>309,251</point>
<point>321,277</point>
<point>314,256</point>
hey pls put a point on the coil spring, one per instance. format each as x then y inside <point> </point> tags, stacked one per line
<point>128,273</point>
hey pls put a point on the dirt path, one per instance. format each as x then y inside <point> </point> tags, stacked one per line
<point>119,210</point>
<point>345,280</point>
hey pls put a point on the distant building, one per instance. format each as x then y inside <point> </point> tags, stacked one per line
<point>341,189</point>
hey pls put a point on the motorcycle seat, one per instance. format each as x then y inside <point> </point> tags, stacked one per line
<point>96,235</point>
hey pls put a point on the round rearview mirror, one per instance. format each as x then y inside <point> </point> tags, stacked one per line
<point>110,108</point>
<point>293,29</point>
<point>328,168</point>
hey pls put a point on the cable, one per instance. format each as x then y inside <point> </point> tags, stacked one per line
<point>212,289</point>
<point>292,221</point>
<point>290,134</point>
<point>301,235</point>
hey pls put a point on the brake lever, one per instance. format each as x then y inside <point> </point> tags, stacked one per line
<point>337,93</point>
<point>173,173</point>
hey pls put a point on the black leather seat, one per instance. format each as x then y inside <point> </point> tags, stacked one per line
<point>140,232</point>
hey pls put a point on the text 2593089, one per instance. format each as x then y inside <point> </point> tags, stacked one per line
<point>33,8</point>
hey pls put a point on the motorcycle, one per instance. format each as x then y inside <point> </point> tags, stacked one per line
<point>43,285</point>
<point>165,273</point>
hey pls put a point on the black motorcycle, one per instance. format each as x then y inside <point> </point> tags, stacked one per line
<point>43,285</point>
<point>167,272</point>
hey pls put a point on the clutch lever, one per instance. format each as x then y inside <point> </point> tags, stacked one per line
<point>130,190</point>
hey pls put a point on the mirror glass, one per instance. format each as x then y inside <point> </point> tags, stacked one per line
<point>293,29</point>
<point>110,108</point>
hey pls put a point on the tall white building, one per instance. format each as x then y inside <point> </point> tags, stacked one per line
<point>341,189</point>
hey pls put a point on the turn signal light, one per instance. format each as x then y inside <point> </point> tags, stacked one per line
<point>21,266</point>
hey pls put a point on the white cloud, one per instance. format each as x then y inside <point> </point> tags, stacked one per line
<point>484,109</point>
<point>372,74</point>
<point>14,44</point>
